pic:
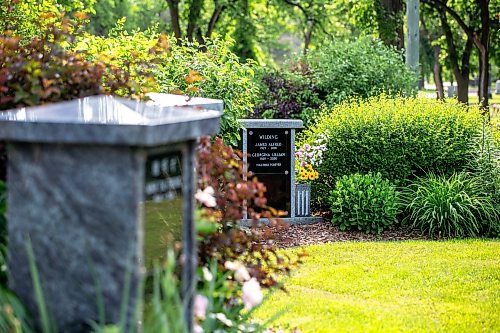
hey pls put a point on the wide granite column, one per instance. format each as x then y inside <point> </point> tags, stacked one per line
<point>87,181</point>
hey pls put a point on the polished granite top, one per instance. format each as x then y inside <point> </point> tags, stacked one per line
<point>108,119</point>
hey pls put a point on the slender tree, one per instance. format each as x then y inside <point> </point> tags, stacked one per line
<point>477,30</point>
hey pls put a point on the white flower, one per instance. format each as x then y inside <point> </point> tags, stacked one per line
<point>206,197</point>
<point>197,329</point>
<point>232,266</point>
<point>252,294</point>
<point>200,306</point>
<point>241,274</point>
<point>240,271</point>
<point>222,317</point>
<point>207,275</point>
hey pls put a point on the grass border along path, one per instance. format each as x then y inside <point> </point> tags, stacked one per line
<point>411,286</point>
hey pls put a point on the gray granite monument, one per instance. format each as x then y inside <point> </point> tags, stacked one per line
<point>268,147</point>
<point>100,186</point>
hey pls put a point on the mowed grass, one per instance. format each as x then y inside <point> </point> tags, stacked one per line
<point>415,286</point>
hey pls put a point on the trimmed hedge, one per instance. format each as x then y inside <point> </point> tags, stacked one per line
<point>400,138</point>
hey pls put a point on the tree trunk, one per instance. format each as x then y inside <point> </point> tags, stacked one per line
<point>214,19</point>
<point>308,34</point>
<point>461,74</point>
<point>463,88</point>
<point>173,7</point>
<point>193,18</point>
<point>483,48</point>
<point>438,72</point>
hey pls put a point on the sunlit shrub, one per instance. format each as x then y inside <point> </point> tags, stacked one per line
<point>330,74</point>
<point>366,203</point>
<point>209,70</point>
<point>400,138</point>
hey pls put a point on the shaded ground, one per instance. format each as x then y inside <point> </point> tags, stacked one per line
<point>325,232</point>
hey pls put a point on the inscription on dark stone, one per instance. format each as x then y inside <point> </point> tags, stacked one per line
<point>269,159</point>
<point>163,210</point>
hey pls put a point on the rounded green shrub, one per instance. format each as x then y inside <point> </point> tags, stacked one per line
<point>330,74</point>
<point>361,68</point>
<point>401,138</point>
<point>454,206</point>
<point>364,202</point>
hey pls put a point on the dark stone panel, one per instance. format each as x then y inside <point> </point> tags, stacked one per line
<point>79,205</point>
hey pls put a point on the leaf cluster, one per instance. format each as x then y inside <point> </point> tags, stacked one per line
<point>221,167</point>
<point>367,203</point>
<point>45,69</point>
<point>210,70</point>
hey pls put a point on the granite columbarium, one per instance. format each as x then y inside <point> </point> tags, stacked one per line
<point>99,187</point>
<point>268,147</point>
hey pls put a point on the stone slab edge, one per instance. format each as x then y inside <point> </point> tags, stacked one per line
<point>298,220</point>
<point>271,123</point>
<point>124,135</point>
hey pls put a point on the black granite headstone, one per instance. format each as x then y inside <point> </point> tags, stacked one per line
<point>269,159</point>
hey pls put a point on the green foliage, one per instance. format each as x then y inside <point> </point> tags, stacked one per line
<point>362,68</point>
<point>13,316</point>
<point>331,74</point>
<point>44,70</point>
<point>400,138</point>
<point>31,18</point>
<point>454,206</point>
<point>184,68</point>
<point>364,202</point>
<point>484,162</point>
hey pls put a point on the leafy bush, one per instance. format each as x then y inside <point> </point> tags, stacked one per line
<point>454,206</point>
<point>288,93</point>
<point>484,164</point>
<point>363,68</point>
<point>242,260</point>
<point>364,202</point>
<point>214,72</point>
<point>400,138</point>
<point>331,74</point>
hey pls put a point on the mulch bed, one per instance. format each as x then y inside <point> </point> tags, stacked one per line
<point>325,232</point>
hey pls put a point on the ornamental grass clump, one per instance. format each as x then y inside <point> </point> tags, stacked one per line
<point>444,207</point>
<point>367,203</point>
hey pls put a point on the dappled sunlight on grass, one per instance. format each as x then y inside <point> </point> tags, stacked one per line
<point>416,286</point>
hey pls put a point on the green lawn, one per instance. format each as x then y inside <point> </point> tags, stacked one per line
<point>162,225</point>
<point>417,286</point>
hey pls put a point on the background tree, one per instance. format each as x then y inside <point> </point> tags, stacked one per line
<point>475,19</point>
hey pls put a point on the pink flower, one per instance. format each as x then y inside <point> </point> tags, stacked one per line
<point>241,274</point>
<point>252,294</point>
<point>240,271</point>
<point>197,329</point>
<point>200,306</point>
<point>307,146</point>
<point>206,197</point>
<point>303,164</point>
